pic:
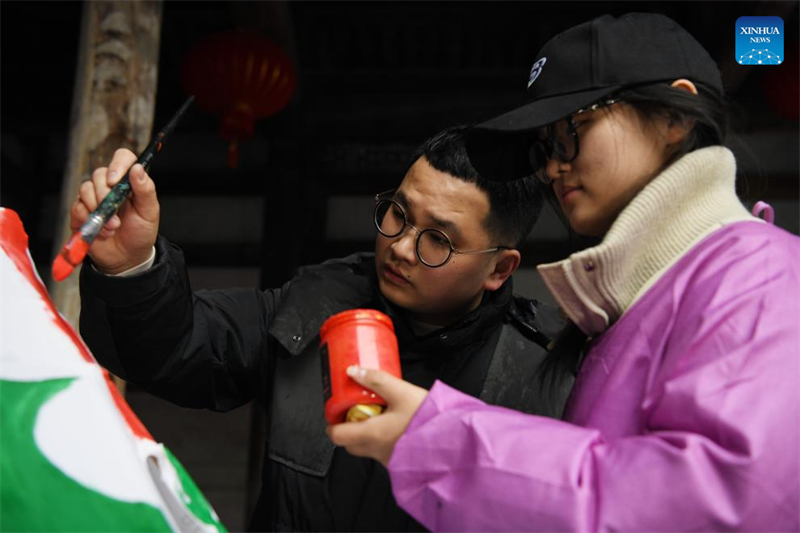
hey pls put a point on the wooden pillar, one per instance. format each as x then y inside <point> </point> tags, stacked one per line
<point>112,106</point>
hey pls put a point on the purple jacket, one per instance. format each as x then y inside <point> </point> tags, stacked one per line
<point>685,414</point>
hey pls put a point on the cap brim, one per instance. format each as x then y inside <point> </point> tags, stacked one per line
<point>498,148</point>
<point>544,111</point>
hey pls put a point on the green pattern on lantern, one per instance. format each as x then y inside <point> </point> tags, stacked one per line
<point>193,498</point>
<point>34,494</point>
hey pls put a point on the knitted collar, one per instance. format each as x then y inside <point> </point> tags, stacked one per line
<point>690,199</point>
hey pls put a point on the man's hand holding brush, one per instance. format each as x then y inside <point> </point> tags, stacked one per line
<point>127,239</point>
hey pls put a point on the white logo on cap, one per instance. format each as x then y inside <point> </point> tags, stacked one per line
<point>536,69</point>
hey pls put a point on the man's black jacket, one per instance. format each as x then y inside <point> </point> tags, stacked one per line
<point>222,349</point>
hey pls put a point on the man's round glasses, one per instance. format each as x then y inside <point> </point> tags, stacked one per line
<point>560,142</point>
<point>434,248</point>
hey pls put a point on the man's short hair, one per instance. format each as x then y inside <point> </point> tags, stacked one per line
<point>514,205</point>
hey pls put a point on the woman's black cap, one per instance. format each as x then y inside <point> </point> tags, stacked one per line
<point>581,66</point>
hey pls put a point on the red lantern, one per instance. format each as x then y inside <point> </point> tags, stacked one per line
<point>240,77</point>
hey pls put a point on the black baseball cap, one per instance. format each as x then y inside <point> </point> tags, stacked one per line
<point>581,66</point>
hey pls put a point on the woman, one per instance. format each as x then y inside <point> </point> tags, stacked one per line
<point>684,415</point>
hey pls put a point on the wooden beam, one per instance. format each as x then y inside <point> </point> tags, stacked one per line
<point>112,106</point>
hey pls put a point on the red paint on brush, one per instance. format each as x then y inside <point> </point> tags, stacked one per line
<point>71,256</point>
<point>61,268</point>
<point>76,249</point>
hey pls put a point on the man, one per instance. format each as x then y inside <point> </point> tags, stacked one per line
<point>442,270</point>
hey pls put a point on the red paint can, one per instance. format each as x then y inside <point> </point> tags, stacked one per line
<point>363,337</point>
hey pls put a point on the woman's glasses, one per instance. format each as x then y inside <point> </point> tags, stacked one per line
<point>560,142</point>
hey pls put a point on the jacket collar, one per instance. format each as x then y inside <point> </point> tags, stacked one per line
<point>689,200</point>
<point>319,291</point>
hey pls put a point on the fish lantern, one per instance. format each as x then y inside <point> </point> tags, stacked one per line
<point>73,455</point>
<point>240,77</point>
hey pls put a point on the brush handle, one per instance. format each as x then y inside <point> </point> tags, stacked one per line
<point>120,192</point>
<point>74,251</point>
<point>108,207</point>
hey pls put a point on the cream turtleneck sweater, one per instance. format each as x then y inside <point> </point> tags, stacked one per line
<point>689,200</point>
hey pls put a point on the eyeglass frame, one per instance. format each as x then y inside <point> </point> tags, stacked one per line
<point>549,144</point>
<point>380,197</point>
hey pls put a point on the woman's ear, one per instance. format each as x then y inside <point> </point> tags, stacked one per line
<point>677,131</point>
<point>685,85</point>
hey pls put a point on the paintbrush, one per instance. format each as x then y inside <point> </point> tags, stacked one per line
<point>73,253</point>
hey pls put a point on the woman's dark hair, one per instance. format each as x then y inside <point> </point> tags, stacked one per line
<point>514,206</point>
<point>712,116</point>
<point>708,109</point>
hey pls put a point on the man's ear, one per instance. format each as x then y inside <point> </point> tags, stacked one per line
<point>506,263</point>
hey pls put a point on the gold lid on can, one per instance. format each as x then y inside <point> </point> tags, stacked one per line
<point>363,411</point>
